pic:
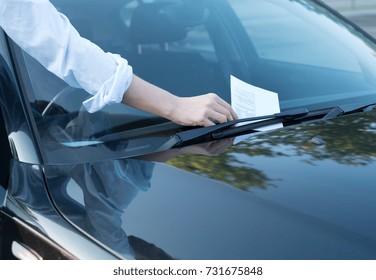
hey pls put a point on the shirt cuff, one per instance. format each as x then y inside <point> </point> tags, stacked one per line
<point>112,91</point>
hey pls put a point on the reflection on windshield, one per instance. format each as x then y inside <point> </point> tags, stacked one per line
<point>348,141</point>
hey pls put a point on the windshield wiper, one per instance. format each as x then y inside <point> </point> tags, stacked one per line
<point>188,135</point>
<point>253,123</point>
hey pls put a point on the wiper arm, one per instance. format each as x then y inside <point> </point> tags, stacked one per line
<point>348,108</point>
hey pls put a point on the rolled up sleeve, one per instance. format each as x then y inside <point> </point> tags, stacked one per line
<point>48,36</point>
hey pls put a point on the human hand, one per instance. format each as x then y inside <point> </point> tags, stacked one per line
<point>202,110</point>
<point>212,148</point>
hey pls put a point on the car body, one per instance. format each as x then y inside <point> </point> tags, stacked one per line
<point>118,184</point>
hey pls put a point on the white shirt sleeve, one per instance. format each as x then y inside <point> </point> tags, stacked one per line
<point>48,36</point>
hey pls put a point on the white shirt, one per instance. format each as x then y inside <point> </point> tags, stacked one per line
<point>48,36</point>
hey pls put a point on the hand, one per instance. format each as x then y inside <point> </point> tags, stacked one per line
<point>202,110</point>
<point>213,148</point>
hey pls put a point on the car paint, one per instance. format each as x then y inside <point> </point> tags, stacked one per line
<point>302,192</point>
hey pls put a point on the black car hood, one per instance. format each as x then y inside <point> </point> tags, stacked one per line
<point>302,192</point>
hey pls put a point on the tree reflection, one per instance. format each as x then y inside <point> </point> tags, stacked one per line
<point>227,167</point>
<point>348,140</point>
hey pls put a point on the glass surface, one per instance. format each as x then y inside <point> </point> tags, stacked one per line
<point>298,49</point>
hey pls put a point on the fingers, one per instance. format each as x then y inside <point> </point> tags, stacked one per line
<point>226,111</point>
<point>208,122</point>
<point>217,147</point>
<point>213,148</point>
<point>222,111</point>
<point>218,117</point>
<point>230,113</point>
<point>202,110</point>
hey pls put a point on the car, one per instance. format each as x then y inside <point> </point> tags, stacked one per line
<point>125,184</point>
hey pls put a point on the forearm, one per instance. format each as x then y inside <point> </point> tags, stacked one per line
<point>202,110</point>
<point>147,97</point>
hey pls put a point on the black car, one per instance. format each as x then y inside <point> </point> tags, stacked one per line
<point>124,184</point>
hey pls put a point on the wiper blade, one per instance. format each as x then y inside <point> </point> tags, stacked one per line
<point>299,114</point>
<point>191,134</point>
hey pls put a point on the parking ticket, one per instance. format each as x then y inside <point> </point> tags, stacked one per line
<point>251,101</point>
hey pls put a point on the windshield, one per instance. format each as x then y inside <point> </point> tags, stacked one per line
<point>295,48</point>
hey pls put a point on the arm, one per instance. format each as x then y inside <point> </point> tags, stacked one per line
<point>197,110</point>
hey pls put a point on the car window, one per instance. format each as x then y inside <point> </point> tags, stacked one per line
<point>307,55</point>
